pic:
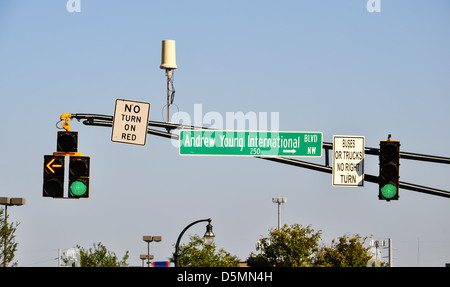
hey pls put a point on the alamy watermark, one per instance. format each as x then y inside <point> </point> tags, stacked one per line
<point>73,6</point>
<point>233,121</point>
<point>373,6</point>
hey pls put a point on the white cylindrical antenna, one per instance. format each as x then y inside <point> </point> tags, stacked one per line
<point>168,56</point>
<point>169,63</point>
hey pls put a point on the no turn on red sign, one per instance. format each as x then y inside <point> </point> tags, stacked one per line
<point>130,122</point>
<point>348,160</point>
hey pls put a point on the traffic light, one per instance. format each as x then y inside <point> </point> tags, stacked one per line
<point>389,170</point>
<point>53,185</point>
<point>67,141</point>
<point>79,168</point>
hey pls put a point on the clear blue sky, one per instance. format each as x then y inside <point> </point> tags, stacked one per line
<point>327,66</point>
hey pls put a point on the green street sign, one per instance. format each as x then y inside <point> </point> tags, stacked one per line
<point>250,143</point>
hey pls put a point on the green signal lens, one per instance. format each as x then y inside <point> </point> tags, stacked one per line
<point>78,188</point>
<point>389,191</point>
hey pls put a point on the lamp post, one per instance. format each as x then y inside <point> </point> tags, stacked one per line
<point>149,239</point>
<point>6,201</point>
<point>279,200</point>
<point>145,256</point>
<point>208,237</point>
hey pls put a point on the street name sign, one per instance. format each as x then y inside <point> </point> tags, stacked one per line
<point>348,161</point>
<point>250,143</point>
<point>130,122</point>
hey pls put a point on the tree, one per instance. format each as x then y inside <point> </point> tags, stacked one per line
<point>98,257</point>
<point>290,246</point>
<point>7,234</point>
<point>199,254</point>
<point>344,252</point>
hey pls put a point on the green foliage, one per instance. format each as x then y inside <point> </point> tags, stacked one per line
<point>99,257</point>
<point>297,246</point>
<point>290,246</point>
<point>199,254</point>
<point>344,252</point>
<point>7,231</point>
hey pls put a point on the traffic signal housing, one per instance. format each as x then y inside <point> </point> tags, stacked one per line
<point>53,183</point>
<point>67,141</point>
<point>79,170</point>
<point>388,180</point>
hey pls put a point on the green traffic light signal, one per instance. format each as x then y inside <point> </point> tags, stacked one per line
<point>79,172</point>
<point>389,176</point>
<point>388,191</point>
<point>77,188</point>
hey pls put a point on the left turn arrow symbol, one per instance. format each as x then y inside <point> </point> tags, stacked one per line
<point>50,165</point>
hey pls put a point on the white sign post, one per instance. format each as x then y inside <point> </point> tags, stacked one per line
<point>348,160</point>
<point>130,122</point>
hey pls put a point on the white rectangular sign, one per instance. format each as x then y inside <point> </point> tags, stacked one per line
<point>130,122</point>
<point>348,160</point>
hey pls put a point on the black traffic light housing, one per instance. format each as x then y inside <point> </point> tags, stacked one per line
<point>67,141</point>
<point>53,185</point>
<point>389,175</point>
<point>79,172</point>
<point>79,165</point>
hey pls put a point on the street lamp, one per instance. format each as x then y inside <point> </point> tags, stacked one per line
<point>6,201</point>
<point>209,234</point>
<point>149,239</point>
<point>279,200</point>
<point>145,256</point>
<point>208,237</point>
